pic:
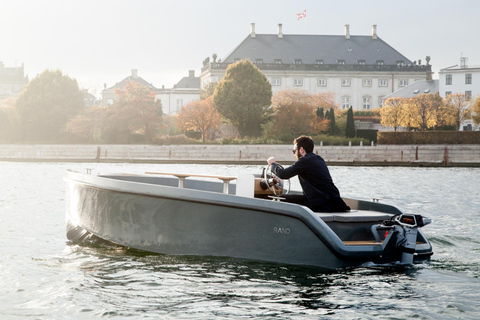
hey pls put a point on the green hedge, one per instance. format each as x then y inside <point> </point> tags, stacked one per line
<point>429,137</point>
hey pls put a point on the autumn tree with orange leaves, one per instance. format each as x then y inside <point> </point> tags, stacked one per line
<point>136,111</point>
<point>199,116</point>
<point>295,111</point>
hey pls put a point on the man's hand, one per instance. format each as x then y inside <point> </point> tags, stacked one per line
<point>271,160</point>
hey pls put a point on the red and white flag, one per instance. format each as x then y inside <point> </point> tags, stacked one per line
<point>302,15</point>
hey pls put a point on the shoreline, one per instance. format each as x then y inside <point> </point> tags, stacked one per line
<point>381,155</point>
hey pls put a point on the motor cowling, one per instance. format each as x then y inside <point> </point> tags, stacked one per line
<point>406,227</point>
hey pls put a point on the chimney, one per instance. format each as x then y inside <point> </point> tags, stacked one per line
<point>374,32</point>
<point>191,73</point>
<point>280,34</point>
<point>463,62</point>
<point>135,73</point>
<point>252,30</point>
<point>347,31</point>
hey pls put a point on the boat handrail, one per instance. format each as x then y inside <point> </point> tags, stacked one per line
<point>181,178</point>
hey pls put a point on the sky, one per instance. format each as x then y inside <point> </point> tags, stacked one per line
<point>99,42</point>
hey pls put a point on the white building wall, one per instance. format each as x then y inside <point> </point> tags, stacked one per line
<point>458,81</point>
<point>174,99</point>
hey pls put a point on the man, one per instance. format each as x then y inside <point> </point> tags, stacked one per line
<point>320,193</point>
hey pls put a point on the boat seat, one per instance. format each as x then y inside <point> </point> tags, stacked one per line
<point>353,216</point>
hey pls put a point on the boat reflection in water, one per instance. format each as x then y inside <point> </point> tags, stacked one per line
<point>240,217</point>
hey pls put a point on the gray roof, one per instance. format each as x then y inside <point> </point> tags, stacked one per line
<point>416,88</point>
<point>189,82</point>
<point>140,80</point>
<point>310,48</point>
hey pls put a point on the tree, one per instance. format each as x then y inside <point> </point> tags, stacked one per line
<point>293,112</point>
<point>243,97</point>
<point>350,128</point>
<point>199,116</point>
<point>47,103</point>
<point>333,126</point>
<point>89,124</point>
<point>461,107</point>
<point>135,111</point>
<point>208,90</point>
<point>421,111</point>
<point>476,110</point>
<point>393,113</point>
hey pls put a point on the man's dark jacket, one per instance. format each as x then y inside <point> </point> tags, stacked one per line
<point>317,184</point>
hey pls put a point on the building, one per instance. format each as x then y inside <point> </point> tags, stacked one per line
<point>415,89</point>
<point>461,79</point>
<point>185,91</point>
<point>12,81</point>
<point>360,70</point>
<point>108,94</point>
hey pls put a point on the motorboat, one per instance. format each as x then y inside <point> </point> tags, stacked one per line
<point>243,217</point>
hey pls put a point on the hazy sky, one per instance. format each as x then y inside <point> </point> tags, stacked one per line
<point>100,41</point>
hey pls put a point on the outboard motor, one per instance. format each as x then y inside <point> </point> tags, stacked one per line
<point>406,228</point>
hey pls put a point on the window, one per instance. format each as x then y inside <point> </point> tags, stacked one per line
<point>345,102</point>
<point>236,59</point>
<point>361,62</point>
<point>448,93</point>
<point>278,61</point>
<point>380,62</point>
<point>367,103</point>
<point>258,60</point>
<point>298,61</point>
<point>468,95</point>
<point>319,61</point>
<point>297,82</point>
<point>322,82</point>
<point>345,82</point>
<point>110,101</point>
<point>448,79</point>
<point>367,82</point>
<point>179,104</point>
<point>276,82</point>
<point>468,78</point>
<point>383,83</point>
<point>400,63</point>
<point>341,61</point>
<point>403,83</point>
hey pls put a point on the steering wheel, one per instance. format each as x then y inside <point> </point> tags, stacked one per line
<point>277,186</point>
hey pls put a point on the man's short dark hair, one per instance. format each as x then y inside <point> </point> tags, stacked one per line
<point>305,142</point>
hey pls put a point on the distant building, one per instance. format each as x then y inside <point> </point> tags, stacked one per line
<point>415,89</point>
<point>108,94</point>
<point>12,81</point>
<point>461,79</point>
<point>185,91</point>
<point>360,70</point>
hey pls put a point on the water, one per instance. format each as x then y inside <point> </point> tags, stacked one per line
<point>42,276</point>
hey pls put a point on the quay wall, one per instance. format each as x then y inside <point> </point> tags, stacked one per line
<point>397,155</point>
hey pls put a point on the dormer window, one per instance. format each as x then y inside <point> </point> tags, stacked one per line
<point>361,62</point>
<point>380,62</point>
<point>319,61</point>
<point>426,91</point>
<point>400,63</point>
<point>278,61</point>
<point>298,61</point>
<point>416,91</point>
<point>341,61</point>
<point>258,60</point>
